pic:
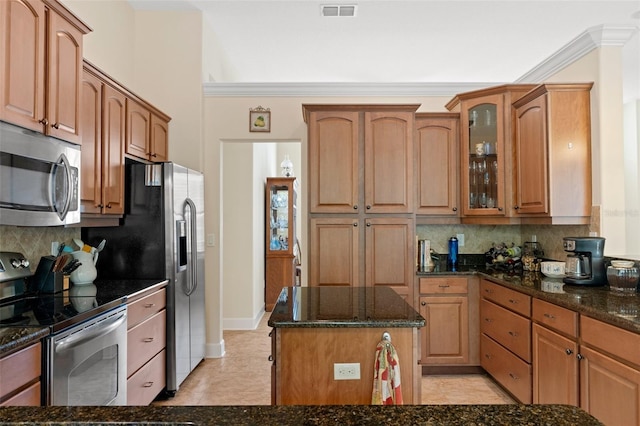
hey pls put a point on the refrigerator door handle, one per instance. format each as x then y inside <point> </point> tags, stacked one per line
<point>188,203</point>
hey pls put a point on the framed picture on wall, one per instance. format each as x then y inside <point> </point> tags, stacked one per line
<point>259,119</point>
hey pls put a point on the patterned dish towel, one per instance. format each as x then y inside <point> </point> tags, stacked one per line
<point>386,376</point>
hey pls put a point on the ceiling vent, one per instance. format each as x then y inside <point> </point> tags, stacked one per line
<point>338,10</point>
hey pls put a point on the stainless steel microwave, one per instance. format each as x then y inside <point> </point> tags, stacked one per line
<point>39,179</point>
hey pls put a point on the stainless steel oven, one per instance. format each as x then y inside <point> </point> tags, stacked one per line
<point>39,179</point>
<point>88,362</point>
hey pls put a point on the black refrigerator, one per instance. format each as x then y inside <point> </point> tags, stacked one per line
<point>161,236</point>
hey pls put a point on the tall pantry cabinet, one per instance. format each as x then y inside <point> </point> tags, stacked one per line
<point>361,172</point>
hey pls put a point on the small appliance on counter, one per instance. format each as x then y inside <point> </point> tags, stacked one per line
<point>585,263</point>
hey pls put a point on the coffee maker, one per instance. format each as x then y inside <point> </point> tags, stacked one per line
<point>585,263</point>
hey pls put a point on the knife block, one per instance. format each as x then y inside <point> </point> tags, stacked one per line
<point>45,280</point>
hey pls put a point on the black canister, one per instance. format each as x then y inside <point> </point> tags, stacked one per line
<point>452,258</point>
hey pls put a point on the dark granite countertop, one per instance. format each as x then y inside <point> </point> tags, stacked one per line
<point>13,338</point>
<point>450,415</point>
<point>328,307</point>
<point>622,310</point>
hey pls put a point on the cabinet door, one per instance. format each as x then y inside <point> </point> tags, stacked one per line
<point>532,194</point>
<point>159,139</point>
<point>138,128</point>
<point>555,368</point>
<point>437,174</point>
<point>609,390</point>
<point>388,170</point>
<point>334,255</point>
<point>64,84</point>
<point>91,191</point>
<point>445,336</point>
<point>22,39</point>
<point>114,117</point>
<point>483,156</point>
<point>333,162</point>
<point>389,256</point>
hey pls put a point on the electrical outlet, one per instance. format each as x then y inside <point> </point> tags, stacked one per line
<point>211,240</point>
<point>54,248</point>
<point>346,371</point>
<point>460,238</point>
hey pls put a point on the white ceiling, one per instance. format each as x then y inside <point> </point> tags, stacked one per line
<point>396,41</point>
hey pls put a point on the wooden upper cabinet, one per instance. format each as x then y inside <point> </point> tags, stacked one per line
<point>159,139</point>
<point>360,158</point>
<point>114,120</point>
<point>42,67</point>
<point>437,146</point>
<point>553,154</point>
<point>103,135</point>
<point>334,158</point>
<point>388,156</point>
<point>486,159</point>
<point>147,132</point>
<point>138,129</point>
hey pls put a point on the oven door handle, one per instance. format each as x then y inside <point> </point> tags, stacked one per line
<point>76,339</point>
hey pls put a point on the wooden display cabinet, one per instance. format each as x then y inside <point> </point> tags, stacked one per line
<point>486,159</point>
<point>280,260</point>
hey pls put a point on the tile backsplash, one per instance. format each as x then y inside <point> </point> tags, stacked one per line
<point>35,242</point>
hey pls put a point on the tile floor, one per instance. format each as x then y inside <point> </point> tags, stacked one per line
<point>243,377</point>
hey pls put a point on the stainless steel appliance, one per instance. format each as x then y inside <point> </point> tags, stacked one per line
<point>85,353</point>
<point>87,363</point>
<point>585,263</point>
<point>39,179</point>
<point>162,236</point>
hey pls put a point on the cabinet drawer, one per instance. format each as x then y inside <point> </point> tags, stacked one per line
<point>19,368</point>
<point>507,369</point>
<point>451,285</point>
<point>144,308</point>
<point>507,328</point>
<point>145,340</point>
<point>29,397</point>
<point>148,382</point>
<point>511,299</point>
<point>611,339</point>
<point>555,317</point>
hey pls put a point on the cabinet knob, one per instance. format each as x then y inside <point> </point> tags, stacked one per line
<point>109,205</point>
<point>455,209</point>
<point>355,207</point>
<point>368,207</point>
<point>355,224</point>
<point>423,303</point>
<point>153,155</point>
<point>580,357</point>
<point>56,125</point>
<point>516,207</point>
<point>100,206</point>
<point>568,351</point>
<point>368,223</point>
<point>270,358</point>
<point>499,209</point>
<point>43,121</point>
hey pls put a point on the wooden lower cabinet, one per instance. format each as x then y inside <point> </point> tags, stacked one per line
<point>370,251</point>
<point>555,368</point>
<point>450,308</point>
<point>146,347</point>
<point>609,373</point>
<point>20,377</point>
<point>303,364</point>
<point>506,368</point>
<point>505,340</point>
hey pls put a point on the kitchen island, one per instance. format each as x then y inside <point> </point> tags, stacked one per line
<point>317,330</point>
<point>450,415</point>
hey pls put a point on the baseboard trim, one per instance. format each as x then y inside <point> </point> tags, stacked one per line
<point>452,369</point>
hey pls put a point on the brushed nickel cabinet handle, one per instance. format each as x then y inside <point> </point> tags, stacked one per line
<point>147,384</point>
<point>513,376</point>
<point>549,316</point>
<point>568,351</point>
<point>43,121</point>
<point>148,339</point>
<point>513,334</point>
<point>56,125</point>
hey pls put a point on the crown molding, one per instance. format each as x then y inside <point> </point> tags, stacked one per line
<point>339,89</point>
<point>592,38</point>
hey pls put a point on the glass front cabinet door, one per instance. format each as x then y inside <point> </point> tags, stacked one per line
<point>281,214</point>
<point>483,150</point>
